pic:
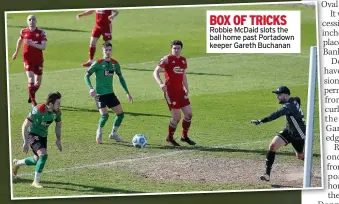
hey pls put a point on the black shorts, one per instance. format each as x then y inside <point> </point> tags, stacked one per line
<point>109,100</point>
<point>37,142</point>
<point>294,138</point>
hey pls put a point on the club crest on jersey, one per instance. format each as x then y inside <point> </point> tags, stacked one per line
<point>35,110</point>
<point>108,72</point>
<point>178,70</point>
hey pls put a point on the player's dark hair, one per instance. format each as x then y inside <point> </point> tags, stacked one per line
<point>52,97</point>
<point>177,42</point>
<point>106,44</point>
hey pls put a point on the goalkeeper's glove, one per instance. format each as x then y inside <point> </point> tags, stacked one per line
<point>256,122</point>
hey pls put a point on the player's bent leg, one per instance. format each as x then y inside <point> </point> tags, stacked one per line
<point>102,121</point>
<point>117,122</point>
<point>29,161</point>
<point>186,123</point>
<point>172,126</point>
<point>40,165</point>
<point>30,79</point>
<point>275,144</point>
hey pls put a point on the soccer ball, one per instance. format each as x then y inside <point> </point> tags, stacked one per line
<point>139,141</point>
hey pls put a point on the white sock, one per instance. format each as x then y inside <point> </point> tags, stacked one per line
<point>115,129</point>
<point>37,176</point>
<point>20,162</point>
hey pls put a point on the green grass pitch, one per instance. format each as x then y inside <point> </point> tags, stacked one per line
<point>226,92</point>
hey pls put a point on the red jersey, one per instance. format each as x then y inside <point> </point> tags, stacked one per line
<point>174,72</point>
<point>32,54</point>
<point>101,17</point>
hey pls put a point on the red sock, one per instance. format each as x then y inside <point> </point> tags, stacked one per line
<point>36,87</point>
<point>31,91</point>
<point>171,130</point>
<point>185,126</point>
<point>91,52</point>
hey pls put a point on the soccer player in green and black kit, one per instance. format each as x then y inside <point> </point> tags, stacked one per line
<point>103,93</point>
<point>34,133</point>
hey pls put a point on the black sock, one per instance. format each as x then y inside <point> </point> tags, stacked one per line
<point>270,156</point>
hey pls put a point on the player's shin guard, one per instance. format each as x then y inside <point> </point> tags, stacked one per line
<point>270,156</point>
<point>91,52</point>
<point>41,163</point>
<point>117,121</point>
<point>186,123</point>
<point>171,129</point>
<point>103,120</point>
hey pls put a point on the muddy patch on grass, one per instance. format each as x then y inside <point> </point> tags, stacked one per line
<point>222,170</point>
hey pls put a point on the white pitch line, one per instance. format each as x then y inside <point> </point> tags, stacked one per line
<point>152,62</point>
<point>115,162</point>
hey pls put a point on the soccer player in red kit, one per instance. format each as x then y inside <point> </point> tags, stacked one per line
<point>175,91</point>
<point>102,27</point>
<point>34,40</point>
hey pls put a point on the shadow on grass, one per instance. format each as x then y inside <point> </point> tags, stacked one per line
<point>211,149</point>
<point>188,73</point>
<point>54,29</point>
<point>75,186</point>
<point>69,108</point>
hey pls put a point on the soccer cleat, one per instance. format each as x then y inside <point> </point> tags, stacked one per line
<point>87,64</point>
<point>15,168</point>
<point>99,136</point>
<point>36,184</point>
<point>188,140</point>
<point>115,136</point>
<point>172,142</point>
<point>265,177</point>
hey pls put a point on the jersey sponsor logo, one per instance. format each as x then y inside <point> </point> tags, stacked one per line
<point>178,70</point>
<point>37,35</point>
<point>173,62</point>
<point>108,72</point>
<point>46,123</point>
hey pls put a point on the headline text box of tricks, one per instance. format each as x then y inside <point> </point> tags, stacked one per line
<point>253,31</point>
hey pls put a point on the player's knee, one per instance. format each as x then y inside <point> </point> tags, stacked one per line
<point>272,147</point>
<point>105,117</point>
<point>175,121</point>
<point>44,157</point>
<point>121,115</point>
<point>188,116</point>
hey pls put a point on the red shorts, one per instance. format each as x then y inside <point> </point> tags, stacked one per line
<point>177,101</point>
<point>105,31</point>
<point>36,68</point>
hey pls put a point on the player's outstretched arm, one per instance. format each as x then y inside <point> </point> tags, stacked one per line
<point>282,111</point>
<point>85,13</point>
<point>24,131</point>
<point>18,45</point>
<point>156,75</point>
<point>58,135</point>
